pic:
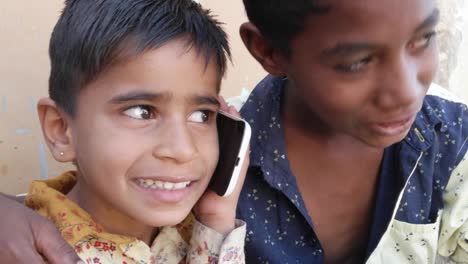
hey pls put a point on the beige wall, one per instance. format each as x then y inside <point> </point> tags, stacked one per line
<point>25,27</point>
<point>245,72</point>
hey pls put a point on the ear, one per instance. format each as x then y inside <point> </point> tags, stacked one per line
<point>56,130</point>
<point>269,57</point>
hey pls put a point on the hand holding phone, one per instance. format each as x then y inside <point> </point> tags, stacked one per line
<point>217,206</point>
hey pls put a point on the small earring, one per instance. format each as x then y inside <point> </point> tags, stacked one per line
<point>61,153</point>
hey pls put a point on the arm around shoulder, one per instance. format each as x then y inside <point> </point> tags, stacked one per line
<point>28,237</point>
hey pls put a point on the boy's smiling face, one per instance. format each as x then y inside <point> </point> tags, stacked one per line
<point>144,137</point>
<point>364,67</point>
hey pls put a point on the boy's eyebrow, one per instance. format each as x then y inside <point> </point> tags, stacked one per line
<point>137,96</point>
<point>146,96</point>
<point>430,21</point>
<point>205,100</point>
<point>347,49</point>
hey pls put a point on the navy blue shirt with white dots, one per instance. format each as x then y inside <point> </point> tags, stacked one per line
<point>279,229</point>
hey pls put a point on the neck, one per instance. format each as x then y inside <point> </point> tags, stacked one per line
<point>297,115</point>
<point>106,215</point>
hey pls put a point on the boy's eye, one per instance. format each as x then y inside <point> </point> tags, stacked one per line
<point>141,112</point>
<point>422,42</point>
<point>201,116</point>
<point>354,66</point>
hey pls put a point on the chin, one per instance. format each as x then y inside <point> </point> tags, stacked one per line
<point>384,142</point>
<point>161,219</point>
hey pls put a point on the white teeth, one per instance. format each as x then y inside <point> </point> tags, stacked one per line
<point>149,182</point>
<point>180,185</point>
<point>159,184</point>
<point>162,185</point>
<point>168,185</point>
<point>142,183</point>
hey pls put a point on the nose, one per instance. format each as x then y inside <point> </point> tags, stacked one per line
<point>400,84</point>
<point>175,142</point>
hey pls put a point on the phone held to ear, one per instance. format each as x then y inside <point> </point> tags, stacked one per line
<point>234,138</point>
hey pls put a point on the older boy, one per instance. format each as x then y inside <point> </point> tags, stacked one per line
<point>351,160</point>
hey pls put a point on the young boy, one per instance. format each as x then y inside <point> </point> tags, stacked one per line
<point>133,101</point>
<point>353,160</point>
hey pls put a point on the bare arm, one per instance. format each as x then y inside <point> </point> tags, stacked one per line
<point>28,237</point>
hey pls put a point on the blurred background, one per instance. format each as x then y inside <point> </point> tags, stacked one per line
<point>25,27</point>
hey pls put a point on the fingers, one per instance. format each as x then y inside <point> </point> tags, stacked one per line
<point>33,239</point>
<point>52,246</point>
<point>223,104</point>
<point>228,109</point>
<point>16,244</point>
<point>17,252</point>
<point>232,110</point>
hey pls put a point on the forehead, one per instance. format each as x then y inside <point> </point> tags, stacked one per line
<point>369,18</point>
<point>173,69</point>
<point>364,10</point>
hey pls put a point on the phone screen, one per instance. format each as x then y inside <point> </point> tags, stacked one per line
<point>230,136</point>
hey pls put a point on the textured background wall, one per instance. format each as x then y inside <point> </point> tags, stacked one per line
<point>453,42</point>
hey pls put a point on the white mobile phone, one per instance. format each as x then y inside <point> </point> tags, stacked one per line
<point>234,137</point>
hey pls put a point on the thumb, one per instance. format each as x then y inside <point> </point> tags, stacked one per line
<point>53,247</point>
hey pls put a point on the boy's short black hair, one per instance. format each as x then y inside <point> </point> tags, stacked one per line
<point>280,21</point>
<point>92,35</point>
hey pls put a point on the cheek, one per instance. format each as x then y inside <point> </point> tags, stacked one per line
<point>208,148</point>
<point>328,94</point>
<point>107,150</point>
<point>334,100</point>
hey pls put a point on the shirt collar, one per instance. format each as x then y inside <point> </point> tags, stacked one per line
<point>263,111</point>
<point>422,133</point>
<point>49,199</point>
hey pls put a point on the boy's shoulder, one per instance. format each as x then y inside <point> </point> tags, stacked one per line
<point>445,111</point>
<point>445,103</point>
<point>270,85</point>
<point>264,100</point>
<point>443,122</point>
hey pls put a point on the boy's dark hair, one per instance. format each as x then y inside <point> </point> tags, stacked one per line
<point>92,35</point>
<point>280,21</point>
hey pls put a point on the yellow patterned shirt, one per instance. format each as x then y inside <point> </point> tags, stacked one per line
<point>188,242</point>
